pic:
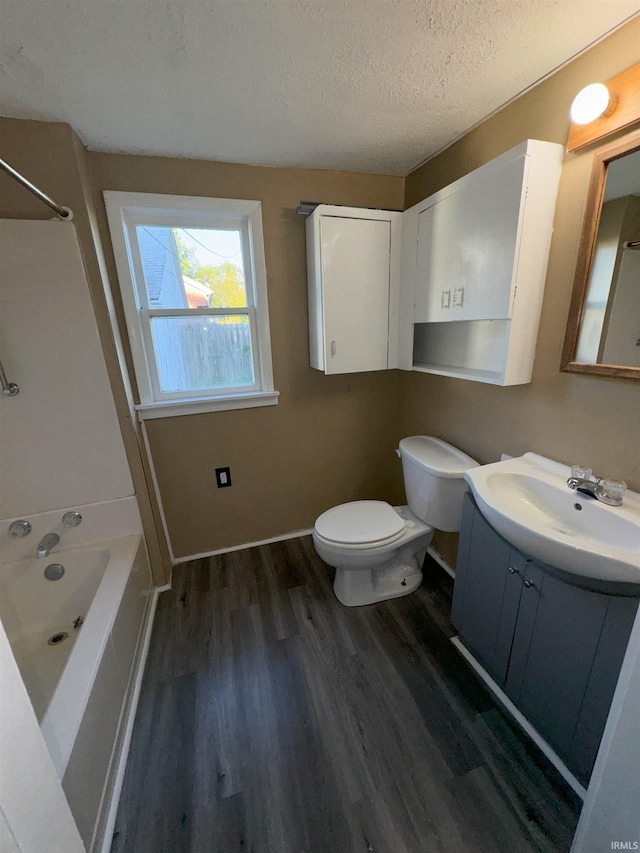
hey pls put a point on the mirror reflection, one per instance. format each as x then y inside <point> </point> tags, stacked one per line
<point>610,325</point>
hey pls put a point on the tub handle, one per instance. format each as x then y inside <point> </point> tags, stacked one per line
<point>19,529</point>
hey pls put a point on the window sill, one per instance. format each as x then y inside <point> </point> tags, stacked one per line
<point>172,408</point>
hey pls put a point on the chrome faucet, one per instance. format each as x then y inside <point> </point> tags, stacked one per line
<point>602,489</point>
<point>48,541</point>
<point>586,486</point>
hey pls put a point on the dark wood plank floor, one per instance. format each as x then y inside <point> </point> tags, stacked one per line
<point>274,720</point>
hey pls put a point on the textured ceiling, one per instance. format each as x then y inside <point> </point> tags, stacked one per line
<point>359,85</point>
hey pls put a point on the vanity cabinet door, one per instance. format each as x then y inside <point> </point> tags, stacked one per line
<point>554,647</point>
<point>567,652</point>
<point>487,591</point>
<point>621,613</point>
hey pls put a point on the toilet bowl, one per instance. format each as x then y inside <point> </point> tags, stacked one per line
<point>378,550</point>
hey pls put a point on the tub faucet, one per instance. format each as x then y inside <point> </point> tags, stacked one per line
<point>48,541</point>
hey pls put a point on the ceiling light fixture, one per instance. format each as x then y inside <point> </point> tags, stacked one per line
<point>592,102</point>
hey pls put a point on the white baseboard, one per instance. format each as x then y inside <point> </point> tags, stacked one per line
<point>522,721</point>
<point>294,534</point>
<point>440,560</point>
<point>104,845</point>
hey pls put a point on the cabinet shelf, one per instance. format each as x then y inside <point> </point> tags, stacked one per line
<point>475,349</point>
<point>492,377</point>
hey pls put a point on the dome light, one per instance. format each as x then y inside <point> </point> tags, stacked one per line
<point>591,103</point>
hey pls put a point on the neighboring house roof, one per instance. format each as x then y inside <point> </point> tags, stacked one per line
<point>161,267</point>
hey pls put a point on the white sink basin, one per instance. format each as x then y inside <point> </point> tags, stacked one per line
<point>527,500</point>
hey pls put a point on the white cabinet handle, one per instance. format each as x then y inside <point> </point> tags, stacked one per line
<point>333,348</point>
<point>458,297</point>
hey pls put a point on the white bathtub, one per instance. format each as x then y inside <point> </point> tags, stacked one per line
<point>82,688</point>
<point>35,612</point>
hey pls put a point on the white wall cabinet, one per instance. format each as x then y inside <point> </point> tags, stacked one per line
<point>466,249</point>
<point>474,260</point>
<point>353,258</point>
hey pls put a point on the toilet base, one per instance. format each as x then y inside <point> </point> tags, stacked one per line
<point>354,588</point>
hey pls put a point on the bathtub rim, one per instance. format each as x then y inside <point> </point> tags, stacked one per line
<point>62,719</point>
<point>106,823</point>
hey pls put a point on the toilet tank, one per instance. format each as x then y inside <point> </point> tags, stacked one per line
<point>434,480</point>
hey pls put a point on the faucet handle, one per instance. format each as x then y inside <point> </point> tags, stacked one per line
<point>19,529</point>
<point>611,491</point>
<point>71,519</point>
<point>581,472</point>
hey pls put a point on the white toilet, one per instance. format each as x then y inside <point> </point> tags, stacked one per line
<point>378,550</point>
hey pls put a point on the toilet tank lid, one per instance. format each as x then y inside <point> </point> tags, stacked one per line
<point>436,456</point>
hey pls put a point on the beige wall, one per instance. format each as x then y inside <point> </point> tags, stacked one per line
<point>571,418</point>
<point>330,438</point>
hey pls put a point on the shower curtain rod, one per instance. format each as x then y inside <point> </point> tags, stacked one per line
<point>63,212</point>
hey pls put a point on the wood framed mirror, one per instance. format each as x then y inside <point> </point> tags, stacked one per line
<point>603,328</point>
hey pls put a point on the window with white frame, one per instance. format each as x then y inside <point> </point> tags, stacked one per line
<point>193,282</point>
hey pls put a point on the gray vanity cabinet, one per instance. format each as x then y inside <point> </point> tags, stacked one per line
<point>487,591</point>
<point>554,648</point>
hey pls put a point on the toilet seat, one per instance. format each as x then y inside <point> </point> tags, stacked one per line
<point>361,524</point>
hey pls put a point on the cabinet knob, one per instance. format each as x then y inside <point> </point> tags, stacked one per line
<point>513,570</point>
<point>529,584</point>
